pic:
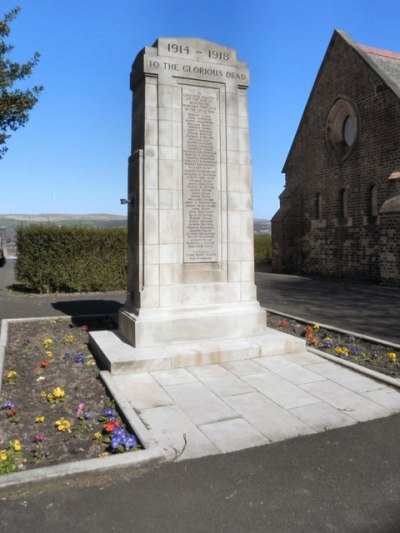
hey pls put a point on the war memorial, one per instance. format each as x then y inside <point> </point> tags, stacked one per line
<point>191,291</point>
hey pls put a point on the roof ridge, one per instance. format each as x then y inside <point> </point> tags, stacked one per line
<point>379,52</point>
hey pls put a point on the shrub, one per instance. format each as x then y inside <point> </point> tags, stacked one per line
<point>71,259</point>
<point>262,248</point>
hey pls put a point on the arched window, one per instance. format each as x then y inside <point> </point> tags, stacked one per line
<point>349,130</point>
<point>343,203</point>
<point>318,206</point>
<point>373,201</point>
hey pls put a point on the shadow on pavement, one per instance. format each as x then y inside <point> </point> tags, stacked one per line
<point>87,307</point>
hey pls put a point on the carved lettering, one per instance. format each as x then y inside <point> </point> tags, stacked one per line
<point>200,175</point>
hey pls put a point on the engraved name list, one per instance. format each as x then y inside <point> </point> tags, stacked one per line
<point>200,175</point>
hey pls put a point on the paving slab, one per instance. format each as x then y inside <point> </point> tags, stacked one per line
<point>228,385</point>
<point>208,371</point>
<point>387,397</point>
<point>281,391</point>
<point>244,368</point>
<point>267,417</point>
<point>143,391</point>
<point>166,419</point>
<point>175,376</point>
<point>233,435</point>
<point>289,370</point>
<point>322,416</point>
<point>346,400</point>
<point>346,377</point>
<point>302,358</point>
<point>200,404</point>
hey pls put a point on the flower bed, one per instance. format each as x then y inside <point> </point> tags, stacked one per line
<point>54,407</point>
<point>383,358</point>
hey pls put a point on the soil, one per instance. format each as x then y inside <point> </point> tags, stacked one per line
<point>356,349</point>
<point>46,355</point>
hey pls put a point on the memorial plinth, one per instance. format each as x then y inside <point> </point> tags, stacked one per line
<point>190,219</point>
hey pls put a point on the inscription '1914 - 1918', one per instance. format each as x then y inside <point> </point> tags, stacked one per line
<point>200,175</point>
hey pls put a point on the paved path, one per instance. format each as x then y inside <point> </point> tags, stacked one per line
<point>220,408</point>
<point>345,479</point>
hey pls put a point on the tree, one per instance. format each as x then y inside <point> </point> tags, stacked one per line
<point>15,103</point>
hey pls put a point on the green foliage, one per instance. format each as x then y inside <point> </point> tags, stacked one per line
<point>15,103</point>
<point>262,248</point>
<point>65,259</point>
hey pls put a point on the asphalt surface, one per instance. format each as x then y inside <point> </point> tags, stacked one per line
<point>365,308</point>
<point>344,480</point>
<point>369,309</point>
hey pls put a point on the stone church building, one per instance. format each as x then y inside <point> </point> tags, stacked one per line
<point>340,210</point>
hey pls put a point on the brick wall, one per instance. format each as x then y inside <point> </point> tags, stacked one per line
<point>336,245</point>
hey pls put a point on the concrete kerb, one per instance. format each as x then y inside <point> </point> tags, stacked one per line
<point>3,344</point>
<point>358,368</point>
<point>361,369</point>
<point>151,455</point>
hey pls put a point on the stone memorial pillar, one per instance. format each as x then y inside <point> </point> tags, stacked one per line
<point>191,293</point>
<point>190,219</point>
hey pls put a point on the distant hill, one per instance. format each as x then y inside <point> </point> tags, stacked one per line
<point>262,226</point>
<point>48,217</point>
<point>10,223</point>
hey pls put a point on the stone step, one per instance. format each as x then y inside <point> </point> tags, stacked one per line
<point>119,357</point>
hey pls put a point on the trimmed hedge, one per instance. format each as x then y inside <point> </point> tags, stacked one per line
<point>71,259</point>
<point>262,248</point>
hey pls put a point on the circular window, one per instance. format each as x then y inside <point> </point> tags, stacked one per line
<point>341,130</point>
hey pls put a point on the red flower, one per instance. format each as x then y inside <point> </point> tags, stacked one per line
<point>112,425</point>
<point>109,427</point>
<point>85,327</point>
<point>12,412</point>
<point>43,363</point>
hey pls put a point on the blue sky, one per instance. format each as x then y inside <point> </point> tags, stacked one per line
<point>72,155</point>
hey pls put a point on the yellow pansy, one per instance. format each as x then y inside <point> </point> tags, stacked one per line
<point>341,350</point>
<point>17,445</point>
<point>47,342</point>
<point>3,455</point>
<point>58,392</point>
<point>39,419</point>
<point>63,424</point>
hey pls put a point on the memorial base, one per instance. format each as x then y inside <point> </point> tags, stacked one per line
<point>155,327</point>
<point>119,357</point>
